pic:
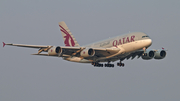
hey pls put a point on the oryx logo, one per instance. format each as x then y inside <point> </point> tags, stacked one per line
<point>68,39</point>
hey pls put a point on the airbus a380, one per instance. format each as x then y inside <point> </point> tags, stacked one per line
<point>112,49</point>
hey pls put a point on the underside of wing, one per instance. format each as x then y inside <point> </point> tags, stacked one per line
<point>133,55</point>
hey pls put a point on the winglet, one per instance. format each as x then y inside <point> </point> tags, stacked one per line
<point>164,49</point>
<point>4,44</point>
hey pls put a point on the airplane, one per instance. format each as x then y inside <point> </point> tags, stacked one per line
<point>109,50</point>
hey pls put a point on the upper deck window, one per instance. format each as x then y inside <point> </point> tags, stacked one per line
<point>144,36</point>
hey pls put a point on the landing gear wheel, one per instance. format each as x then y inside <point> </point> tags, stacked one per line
<point>109,65</point>
<point>120,64</point>
<point>96,64</point>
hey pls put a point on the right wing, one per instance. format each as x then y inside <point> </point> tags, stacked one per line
<point>48,48</point>
<point>82,52</point>
<point>40,47</point>
<point>23,45</point>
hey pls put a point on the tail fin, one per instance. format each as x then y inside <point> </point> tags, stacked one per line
<point>69,39</point>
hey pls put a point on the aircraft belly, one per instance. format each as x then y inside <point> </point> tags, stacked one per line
<point>77,59</point>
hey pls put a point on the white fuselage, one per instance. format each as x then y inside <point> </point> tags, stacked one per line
<point>127,44</point>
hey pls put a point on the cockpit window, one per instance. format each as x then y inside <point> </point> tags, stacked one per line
<point>145,36</point>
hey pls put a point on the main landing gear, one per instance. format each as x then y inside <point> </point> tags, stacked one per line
<point>120,64</point>
<point>109,65</point>
<point>96,64</point>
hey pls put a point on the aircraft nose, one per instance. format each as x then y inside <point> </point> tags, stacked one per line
<point>149,42</point>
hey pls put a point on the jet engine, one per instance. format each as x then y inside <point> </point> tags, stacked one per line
<point>149,54</point>
<point>160,54</point>
<point>87,52</point>
<point>54,51</point>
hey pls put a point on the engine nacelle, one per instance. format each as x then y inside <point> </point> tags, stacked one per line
<point>149,54</point>
<point>160,54</point>
<point>54,51</point>
<point>87,52</point>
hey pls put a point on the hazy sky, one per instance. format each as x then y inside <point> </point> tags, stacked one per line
<point>24,77</point>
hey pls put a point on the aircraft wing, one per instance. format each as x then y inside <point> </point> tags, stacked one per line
<point>68,51</point>
<point>45,48</point>
<point>24,45</point>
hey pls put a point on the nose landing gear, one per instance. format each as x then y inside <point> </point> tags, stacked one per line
<point>144,54</point>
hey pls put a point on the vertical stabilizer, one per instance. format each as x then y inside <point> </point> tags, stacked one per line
<point>69,39</point>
